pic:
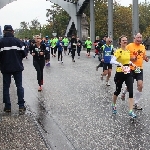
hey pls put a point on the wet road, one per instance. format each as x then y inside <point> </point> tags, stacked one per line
<point>74,108</point>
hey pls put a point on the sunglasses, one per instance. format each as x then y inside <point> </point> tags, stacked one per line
<point>110,41</point>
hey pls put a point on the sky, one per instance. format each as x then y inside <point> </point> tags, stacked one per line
<point>27,10</point>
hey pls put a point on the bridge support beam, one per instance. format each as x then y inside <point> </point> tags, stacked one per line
<point>110,18</point>
<point>135,17</point>
<point>92,21</point>
<point>70,8</point>
<point>79,32</point>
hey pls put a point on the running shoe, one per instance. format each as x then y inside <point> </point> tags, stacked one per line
<point>114,110</point>
<point>132,114</point>
<point>107,83</point>
<point>137,107</point>
<point>40,89</point>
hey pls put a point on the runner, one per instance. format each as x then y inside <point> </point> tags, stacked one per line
<point>69,46</point>
<point>96,44</point>
<point>60,45</point>
<point>52,46</point>
<point>107,53</point>
<point>122,59</point>
<point>37,51</point>
<point>79,46</point>
<point>26,41</point>
<point>98,47</point>
<point>47,51</point>
<point>55,40</point>
<point>73,43</point>
<point>88,45</point>
<point>66,42</point>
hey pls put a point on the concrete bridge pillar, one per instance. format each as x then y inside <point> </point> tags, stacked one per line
<point>110,18</point>
<point>92,21</point>
<point>135,17</point>
<point>79,32</point>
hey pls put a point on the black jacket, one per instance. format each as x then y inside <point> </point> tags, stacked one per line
<point>79,44</point>
<point>73,41</point>
<point>11,54</point>
<point>36,50</point>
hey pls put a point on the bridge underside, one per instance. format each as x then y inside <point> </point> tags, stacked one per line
<point>5,2</point>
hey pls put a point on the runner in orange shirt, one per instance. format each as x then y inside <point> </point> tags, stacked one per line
<point>137,55</point>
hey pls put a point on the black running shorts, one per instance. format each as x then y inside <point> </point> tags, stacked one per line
<point>137,76</point>
<point>107,66</point>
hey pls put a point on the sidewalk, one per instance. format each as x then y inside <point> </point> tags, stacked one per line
<point>19,132</point>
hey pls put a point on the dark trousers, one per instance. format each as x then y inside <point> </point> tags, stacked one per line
<point>88,50</point>
<point>69,50</point>
<point>73,52</point>
<point>6,85</point>
<point>60,55</point>
<point>119,78</point>
<point>52,49</point>
<point>55,49</point>
<point>78,50</point>
<point>39,66</point>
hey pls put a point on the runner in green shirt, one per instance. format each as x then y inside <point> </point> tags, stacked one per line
<point>88,45</point>
<point>55,40</point>
<point>66,42</point>
<point>52,47</point>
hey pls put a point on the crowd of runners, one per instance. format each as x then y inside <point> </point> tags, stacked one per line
<point>128,58</point>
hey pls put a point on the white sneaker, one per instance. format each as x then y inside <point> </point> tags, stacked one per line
<point>107,83</point>
<point>62,62</point>
<point>59,62</point>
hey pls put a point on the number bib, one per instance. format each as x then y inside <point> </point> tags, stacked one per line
<point>137,70</point>
<point>126,69</point>
<point>47,48</point>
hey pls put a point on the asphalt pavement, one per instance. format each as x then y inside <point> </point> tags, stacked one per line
<point>73,112</point>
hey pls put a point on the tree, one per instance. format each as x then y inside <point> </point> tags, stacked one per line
<point>144,16</point>
<point>122,21</point>
<point>24,25</point>
<point>101,15</point>
<point>58,18</point>
<point>35,27</point>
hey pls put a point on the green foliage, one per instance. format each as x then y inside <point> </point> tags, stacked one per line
<point>59,19</point>
<point>57,22</point>
<point>122,21</point>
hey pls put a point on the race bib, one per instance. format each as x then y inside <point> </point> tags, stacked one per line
<point>36,49</point>
<point>47,48</point>
<point>74,44</point>
<point>137,70</point>
<point>107,53</point>
<point>126,69</point>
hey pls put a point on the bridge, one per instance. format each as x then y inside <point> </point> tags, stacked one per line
<point>75,9</point>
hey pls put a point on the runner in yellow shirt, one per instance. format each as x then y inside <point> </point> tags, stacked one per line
<point>122,59</point>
